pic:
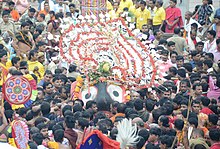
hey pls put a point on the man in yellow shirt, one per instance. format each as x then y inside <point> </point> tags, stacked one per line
<point>133,9</point>
<point>3,66</point>
<point>34,66</point>
<point>115,13</point>
<point>143,15</point>
<point>125,3</point>
<point>109,6</point>
<point>159,16</point>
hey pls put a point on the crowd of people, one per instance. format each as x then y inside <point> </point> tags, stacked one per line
<point>181,112</point>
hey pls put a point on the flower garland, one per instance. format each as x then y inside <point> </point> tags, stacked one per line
<point>92,38</point>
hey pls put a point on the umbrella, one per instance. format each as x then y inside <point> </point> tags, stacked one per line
<point>6,146</point>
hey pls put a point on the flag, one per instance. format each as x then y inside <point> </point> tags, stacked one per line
<point>97,140</point>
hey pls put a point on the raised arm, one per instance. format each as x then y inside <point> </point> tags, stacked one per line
<point>4,120</point>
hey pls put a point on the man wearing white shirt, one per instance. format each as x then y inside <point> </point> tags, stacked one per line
<point>61,7</point>
<point>189,21</point>
<point>51,4</point>
<point>216,52</point>
<point>210,45</point>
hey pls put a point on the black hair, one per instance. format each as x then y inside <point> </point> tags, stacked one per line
<point>59,135</point>
<point>32,10</point>
<point>184,102</point>
<point>68,113</point>
<point>52,12</point>
<point>214,134</point>
<point>15,60</point>
<point>218,82</point>
<point>3,53</point>
<point>205,101</point>
<point>200,43</point>
<point>214,101</point>
<point>195,85</point>
<point>59,15</point>
<point>29,115</point>
<point>173,52</point>
<point>213,118</point>
<point>178,123</point>
<point>218,41</point>
<point>212,32</point>
<point>162,42</point>
<point>72,68</point>
<point>177,30</point>
<point>81,102</point>
<point>170,43</point>
<point>46,84</point>
<point>42,15</point>
<point>67,107</point>
<point>23,24</point>
<point>58,71</point>
<point>72,5</point>
<point>155,131</point>
<point>168,140</point>
<point>51,123</point>
<point>156,31</point>
<point>193,121</point>
<point>45,108</point>
<point>185,81</point>
<point>34,130</point>
<point>138,104</point>
<point>165,52</point>
<point>144,133</point>
<point>169,108</point>
<point>130,111</point>
<point>77,107</point>
<point>90,103</point>
<point>188,67</point>
<point>38,138</point>
<point>210,55</point>
<point>199,146</point>
<point>11,3</point>
<point>191,114</point>
<point>5,12</point>
<point>194,53</point>
<point>39,30</point>
<point>40,120</point>
<point>181,72</point>
<point>195,102</point>
<point>84,123</point>
<point>113,133</point>
<point>56,127</point>
<point>165,121</point>
<point>143,2</point>
<point>31,54</point>
<point>149,104</point>
<point>179,57</point>
<point>69,121</point>
<point>175,1</point>
<point>121,108</point>
<point>42,126</point>
<point>32,145</point>
<point>156,113</point>
<point>22,111</point>
<point>195,25</point>
<point>35,36</point>
<point>9,115</point>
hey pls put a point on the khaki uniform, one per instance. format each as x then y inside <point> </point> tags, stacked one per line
<point>7,27</point>
<point>180,44</point>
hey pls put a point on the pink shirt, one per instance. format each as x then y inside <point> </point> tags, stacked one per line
<point>21,5</point>
<point>163,67</point>
<point>214,91</point>
<point>216,54</point>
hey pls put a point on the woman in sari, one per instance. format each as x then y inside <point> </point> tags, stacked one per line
<point>173,17</point>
